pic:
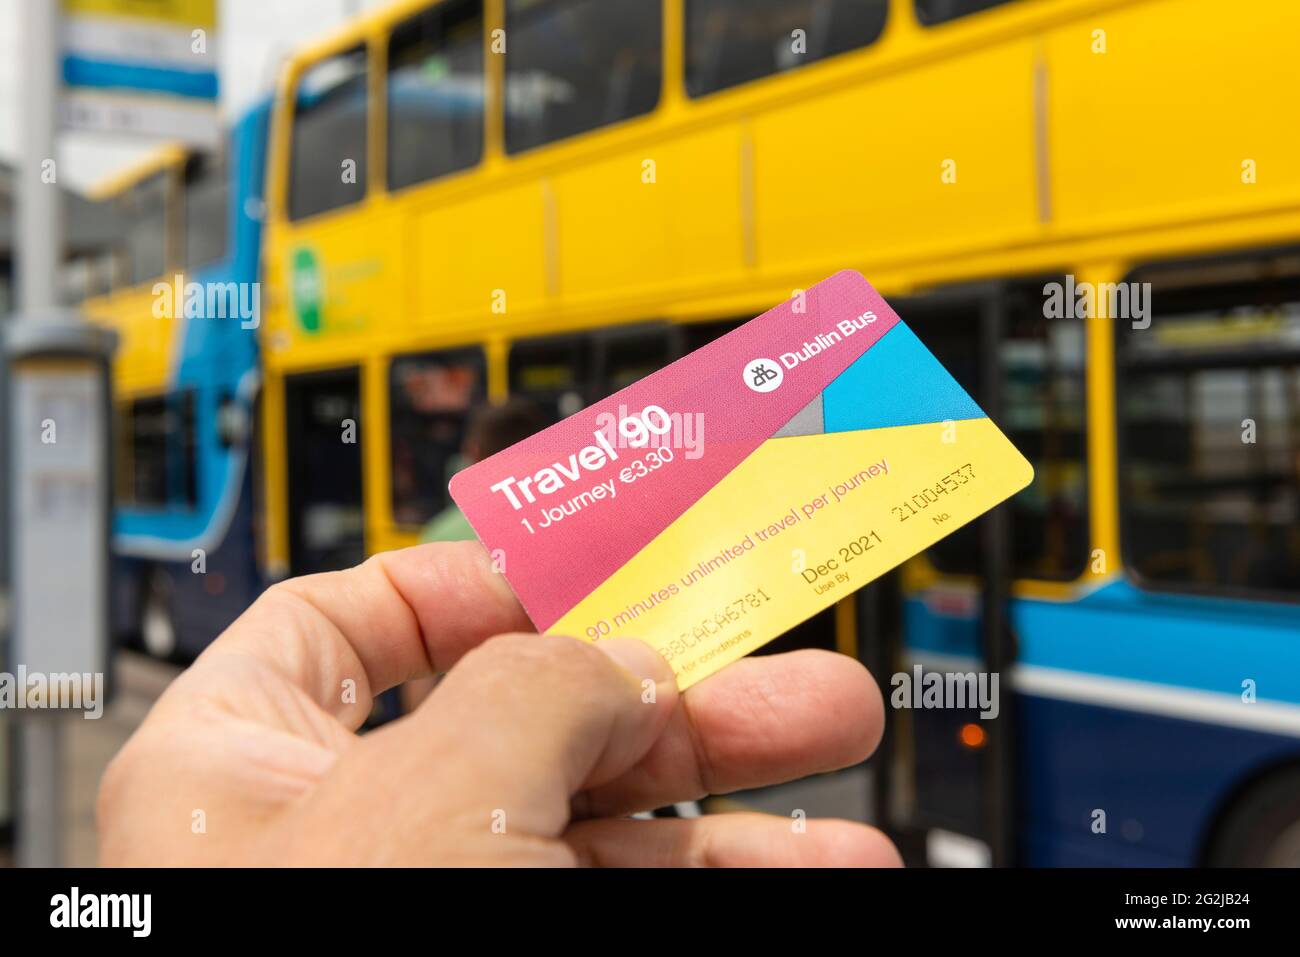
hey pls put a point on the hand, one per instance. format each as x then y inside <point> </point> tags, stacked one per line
<point>531,751</point>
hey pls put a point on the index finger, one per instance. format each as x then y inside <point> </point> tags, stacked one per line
<point>399,615</point>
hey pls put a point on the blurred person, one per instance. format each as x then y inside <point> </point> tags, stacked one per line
<point>492,429</point>
<point>532,751</point>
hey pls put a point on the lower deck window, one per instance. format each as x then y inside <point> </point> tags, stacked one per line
<point>157,453</point>
<point>431,397</point>
<point>1209,406</point>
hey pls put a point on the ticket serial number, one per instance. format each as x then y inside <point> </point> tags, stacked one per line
<point>716,623</point>
<point>933,494</point>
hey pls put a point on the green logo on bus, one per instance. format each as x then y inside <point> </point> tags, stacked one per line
<point>307,288</point>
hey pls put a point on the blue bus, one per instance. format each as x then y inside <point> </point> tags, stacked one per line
<point>187,390</point>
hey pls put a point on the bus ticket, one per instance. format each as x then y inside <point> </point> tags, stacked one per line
<point>715,504</point>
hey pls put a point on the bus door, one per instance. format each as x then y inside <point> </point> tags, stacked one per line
<point>950,788</point>
<point>323,448</point>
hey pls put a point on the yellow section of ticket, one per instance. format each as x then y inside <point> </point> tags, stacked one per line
<point>800,523</point>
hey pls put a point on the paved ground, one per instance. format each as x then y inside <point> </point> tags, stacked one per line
<point>88,746</point>
<point>138,681</point>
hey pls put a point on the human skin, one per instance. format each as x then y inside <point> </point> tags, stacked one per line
<point>532,750</point>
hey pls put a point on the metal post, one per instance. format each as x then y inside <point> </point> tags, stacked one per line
<point>39,815</point>
<point>39,251</point>
<point>999,767</point>
<point>878,642</point>
<point>39,201</point>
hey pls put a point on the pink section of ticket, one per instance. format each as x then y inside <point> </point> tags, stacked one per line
<point>562,508</point>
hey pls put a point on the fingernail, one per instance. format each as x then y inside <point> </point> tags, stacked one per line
<point>637,657</point>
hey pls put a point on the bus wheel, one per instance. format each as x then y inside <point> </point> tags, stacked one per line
<point>157,623</point>
<point>1263,828</point>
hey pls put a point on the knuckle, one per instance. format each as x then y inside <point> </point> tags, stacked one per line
<point>282,592</point>
<point>275,600</point>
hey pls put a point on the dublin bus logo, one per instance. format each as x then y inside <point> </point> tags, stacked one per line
<point>763,375</point>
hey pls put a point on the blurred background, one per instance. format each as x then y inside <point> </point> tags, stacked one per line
<point>297,215</point>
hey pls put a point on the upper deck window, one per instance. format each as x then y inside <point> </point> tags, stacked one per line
<point>327,166</point>
<point>144,212</point>
<point>577,65</point>
<point>435,93</point>
<point>729,42</point>
<point>930,12</point>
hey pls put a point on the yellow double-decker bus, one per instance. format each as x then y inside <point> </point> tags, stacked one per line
<point>563,195</point>
<point>1088,209</point>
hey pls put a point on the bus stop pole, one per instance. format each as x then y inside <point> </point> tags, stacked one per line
<point>39,200</point>
<point>39,252</point>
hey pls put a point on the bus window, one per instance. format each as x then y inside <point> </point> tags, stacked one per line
<point>117,267</point>
<point>556,373</point>
<point>696,334</point>
<point>576,65</point>
<point>629,355</point>
<point>327,167</point>
<point>1042,413</point>
<point>729,42</point>
<point>207,209</point>
<point>564,374</point>
<point>435,93</point>
<point>931,12</point>
<point>156,452</point>
<point>1210,439</point>
<point>143,210</point>
<point>77,279</point>
<point>430,399</point>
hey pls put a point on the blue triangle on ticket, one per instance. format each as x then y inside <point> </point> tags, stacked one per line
<point>895,382</point>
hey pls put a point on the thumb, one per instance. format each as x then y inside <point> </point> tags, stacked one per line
<point>523,722</point>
